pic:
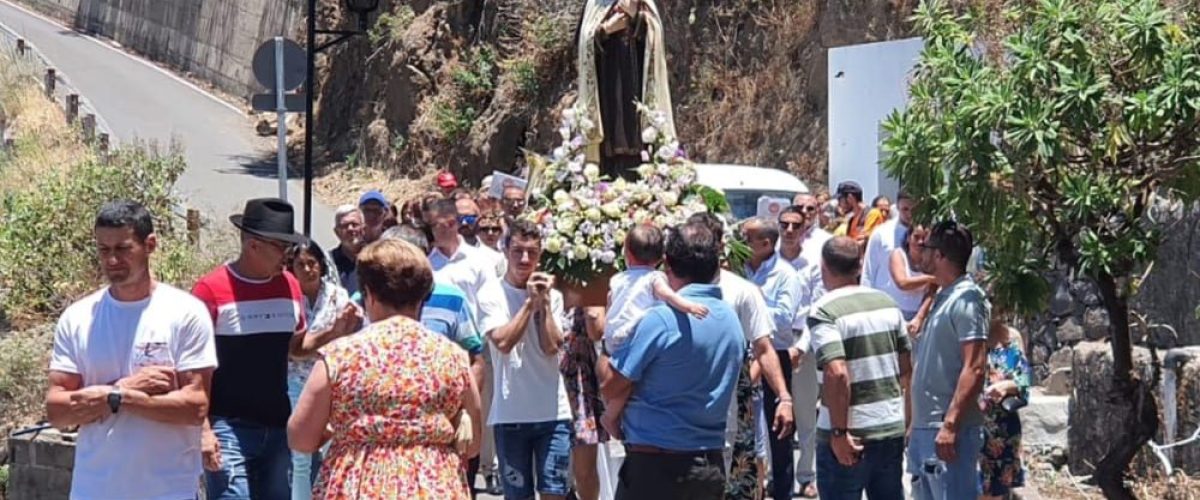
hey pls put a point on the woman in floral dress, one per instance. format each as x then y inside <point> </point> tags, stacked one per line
<point>1008,376</point>
<point>578,368</point>
<point>393,395</point>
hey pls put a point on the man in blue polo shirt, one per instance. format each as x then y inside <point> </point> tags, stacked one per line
<point>677,374</point>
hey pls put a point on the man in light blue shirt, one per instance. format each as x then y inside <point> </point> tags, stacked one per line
<point>780,286</point>
<point>951,359</point>
<point>678,374</point>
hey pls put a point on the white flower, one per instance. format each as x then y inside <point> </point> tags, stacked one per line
<point>667,151</point>
<point>581,251</point>
<point>649,134</point>
<point>554,244</point>
<point>561,196</point>
<point>608,256</point>
<point>611,210</point>
<point>645,170</point>
<point>574,167</point>
<point>559,153</point>
<point>569,114</point>
<point>565,225</point>
<point>593,214</point>
<point>592,172</point>
<point>619,235</point>
<point>660,119</point>
<point>669,199</point>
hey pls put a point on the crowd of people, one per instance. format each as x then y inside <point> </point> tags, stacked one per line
<point>428,353</point>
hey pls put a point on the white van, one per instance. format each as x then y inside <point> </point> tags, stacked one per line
<point>744,185</point>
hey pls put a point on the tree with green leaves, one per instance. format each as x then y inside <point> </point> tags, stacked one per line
<point>1055,129</point>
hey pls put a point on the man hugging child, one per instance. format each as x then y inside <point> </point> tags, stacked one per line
<point>631,293</point>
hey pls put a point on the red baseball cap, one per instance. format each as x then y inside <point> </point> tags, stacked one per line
<point>446,180</point>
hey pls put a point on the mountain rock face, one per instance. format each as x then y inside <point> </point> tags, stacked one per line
<point>469,84</point>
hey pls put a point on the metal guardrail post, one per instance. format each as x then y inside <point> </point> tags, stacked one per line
<point>102,144</point>
<point>21,46</point>
<point>51,79</point>
<point>72,107</point>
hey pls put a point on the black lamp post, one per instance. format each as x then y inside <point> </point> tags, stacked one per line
<point>361,8</point>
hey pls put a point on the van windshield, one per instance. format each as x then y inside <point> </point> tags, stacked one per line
<point>744,202</point>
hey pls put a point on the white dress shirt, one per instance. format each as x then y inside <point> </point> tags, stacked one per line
<point>809,284</point>
<point>474,273</point>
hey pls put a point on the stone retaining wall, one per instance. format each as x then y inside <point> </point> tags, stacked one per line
<point>40,466</point>
<point>212,40</point>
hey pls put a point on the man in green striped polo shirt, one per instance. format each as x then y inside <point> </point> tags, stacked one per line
<point>863,354</point>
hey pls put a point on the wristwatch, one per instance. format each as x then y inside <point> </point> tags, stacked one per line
<point>114,400</point>
<point>839,432</point>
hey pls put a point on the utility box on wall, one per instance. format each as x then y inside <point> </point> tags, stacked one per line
<point>866,83</point>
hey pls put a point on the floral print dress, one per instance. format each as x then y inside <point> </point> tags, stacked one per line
<point>742,480</point>
<point>1000,465</point>
<point>578,368</point>
<point>397,390</point>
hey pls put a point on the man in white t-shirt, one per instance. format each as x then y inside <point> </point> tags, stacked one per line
<point>131,366</point>
<point>530,414</point>
<point>889,236</point>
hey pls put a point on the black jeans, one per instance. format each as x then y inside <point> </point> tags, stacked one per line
<point>695,476</point>
<point>783,471</point>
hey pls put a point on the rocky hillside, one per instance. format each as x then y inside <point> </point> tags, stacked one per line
<point>468,84</point>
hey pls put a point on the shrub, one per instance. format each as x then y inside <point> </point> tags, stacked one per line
<point>476,75</point>
<point>525,74</point>
<point>390,27</point>
<point>453,120</point>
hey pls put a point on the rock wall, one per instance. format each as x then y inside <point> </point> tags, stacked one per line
<point>1168,298</point>
<point>467,85</point>
<point>212,40</point>
<point>1093,423</point>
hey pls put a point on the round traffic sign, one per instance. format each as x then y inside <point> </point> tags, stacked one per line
<point>294,60</point>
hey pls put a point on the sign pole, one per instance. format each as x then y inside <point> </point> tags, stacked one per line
<point>309,91</point>
<point>281,120</point>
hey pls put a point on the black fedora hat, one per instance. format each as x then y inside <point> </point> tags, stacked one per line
<point>270,218</point>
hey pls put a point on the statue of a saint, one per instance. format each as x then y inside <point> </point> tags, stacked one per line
<point>621,61</point>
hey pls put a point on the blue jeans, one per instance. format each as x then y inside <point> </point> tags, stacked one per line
<point>879,472</point>
<point>305,466</point>
<point>254,462</point>
<point>935,479</point>
<point>522,447</point>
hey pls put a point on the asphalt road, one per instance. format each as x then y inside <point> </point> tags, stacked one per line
<point>227,162</point>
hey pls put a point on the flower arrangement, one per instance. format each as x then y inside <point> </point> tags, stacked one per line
<point>585,216</point>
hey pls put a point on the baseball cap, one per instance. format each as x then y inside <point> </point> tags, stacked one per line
<point>446,180</point>
<point>374,196</point>
<point>849,187</point>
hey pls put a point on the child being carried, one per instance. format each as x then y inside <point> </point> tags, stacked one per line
<point>632,293</point>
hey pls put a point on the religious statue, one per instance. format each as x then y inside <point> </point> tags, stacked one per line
<point>622,61</point>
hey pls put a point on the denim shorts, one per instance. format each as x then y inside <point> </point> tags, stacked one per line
<point>935,479</point>
<point>540,450</point>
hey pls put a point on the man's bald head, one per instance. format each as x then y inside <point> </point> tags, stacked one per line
<point>841,257</point>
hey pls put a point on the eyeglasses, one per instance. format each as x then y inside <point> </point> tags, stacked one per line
<point>786,226</point>
<point>807,208</point>
<point>282,246</point>
<point>468,220</point>
<point>490,229</point>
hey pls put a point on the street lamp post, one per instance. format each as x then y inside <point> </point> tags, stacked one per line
<point>363,9</point>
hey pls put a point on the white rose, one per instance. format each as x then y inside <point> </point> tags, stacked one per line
<point>593,214</point>
<point>554,244</point>
<point>565,225</point>
<point>669,199</point>
<point>581,251</point>
<point>611,210</point>
<point>645,170</point>
<point>592,172</point>
<point>649,134</point>
<point>561,196</point>
<point>619,235</point>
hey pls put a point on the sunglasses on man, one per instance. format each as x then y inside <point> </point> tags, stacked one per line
<point>468,220</point>
<point>490,229</point>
